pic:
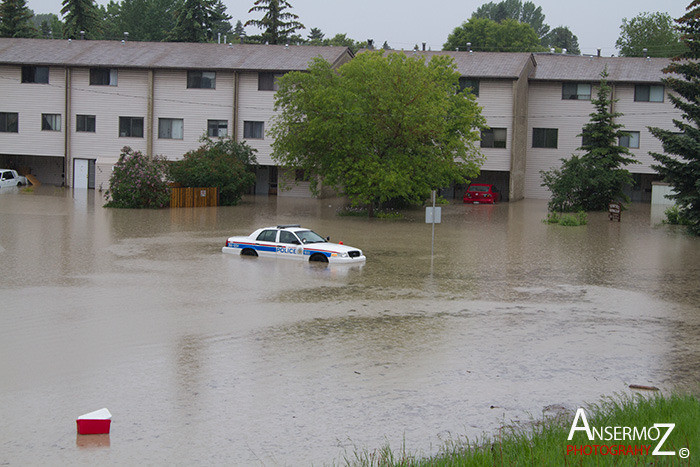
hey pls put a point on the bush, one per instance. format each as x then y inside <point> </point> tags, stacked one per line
<point>567,220</point>
<point>675,216</point>
<point>222,163</point>
<point>138,181</point>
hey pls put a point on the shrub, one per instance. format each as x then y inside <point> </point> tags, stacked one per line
<point>138,181</point>
<point>222,163</point>
<point>675,216</point>
<point>568,220</point>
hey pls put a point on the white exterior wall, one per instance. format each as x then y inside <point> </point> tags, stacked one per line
<point>30,100</point>
<point>128,99</point>
<point>496,99</point>
<point>548,110</point>
<point>640,115</point>
<point>172,99</point>
<point>256,106</point>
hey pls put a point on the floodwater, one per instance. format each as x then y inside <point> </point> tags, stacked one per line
<point>207,358</point>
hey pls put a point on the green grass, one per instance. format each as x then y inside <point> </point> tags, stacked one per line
<point>568,220</point>
<point>544,442</point>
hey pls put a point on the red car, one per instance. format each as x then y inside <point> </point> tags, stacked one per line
<point>481,193</point>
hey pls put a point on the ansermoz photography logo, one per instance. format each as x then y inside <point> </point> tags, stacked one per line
<point>626,440</point>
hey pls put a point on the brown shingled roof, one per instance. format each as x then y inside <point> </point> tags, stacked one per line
<point>480,64</point>
<point>164,54</point>
<point>560,67</point>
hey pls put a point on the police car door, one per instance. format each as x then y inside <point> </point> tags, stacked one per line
<point>289,246</point>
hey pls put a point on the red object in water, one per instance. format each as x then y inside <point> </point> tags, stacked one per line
<point>94,423</point>
<point>340,243</point>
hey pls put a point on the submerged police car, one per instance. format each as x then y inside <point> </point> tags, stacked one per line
<point>294,242</point>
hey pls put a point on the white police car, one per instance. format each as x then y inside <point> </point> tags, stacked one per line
<point>294,242</point>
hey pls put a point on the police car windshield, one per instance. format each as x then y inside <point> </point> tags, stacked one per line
<point>309,236</point>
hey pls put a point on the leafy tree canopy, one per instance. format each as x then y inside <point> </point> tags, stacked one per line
<point>591,181</point>
<point>652,31</point>
<point>562,38</point>
<point>16,19</point>
<point>194,21</point>
<point>680,165</point>
<point>138,182</point>
<point>48,25</point>
<point>486,35</point>
<point>521,12</point>
<point>380,128</point>
<point>222,163</point>
<point>277,23</point>
<point>144,20</point>
<point>81,16</point>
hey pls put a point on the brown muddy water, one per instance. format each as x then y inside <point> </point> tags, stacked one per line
<point>206,358</point>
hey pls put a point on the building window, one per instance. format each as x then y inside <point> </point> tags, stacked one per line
<point>576,91</point>
<point>35,74</point>
<point>103,76</point>
<point>85,123</point>
<point>201,79</point>
<point>131,127</point>
<point>544,137</point>
<point>631,140</point>
<point>648,93</point>
<point>253,130</point>
<point>170,128</point>
<point>494,138</point>
<point>469,83</point>
<point>217,128</point>
<point>9,122</point>
<point>267,81</point>
<point>51,122</point>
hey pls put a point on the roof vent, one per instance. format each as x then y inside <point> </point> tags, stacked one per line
<point>599,50</point>
<point>469,47</point>
<point>563,51</point>
<point>370,44</point>
<point>126,35</point>
<point>82,35</point>
<point>645,52</point>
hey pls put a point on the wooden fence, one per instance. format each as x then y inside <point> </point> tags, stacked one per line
<point>193,197</point>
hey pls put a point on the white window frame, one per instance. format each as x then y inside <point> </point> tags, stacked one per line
<point>171,128</point>
<point>85,119</point>
<point>112,78</point>
<point>50,122</point>
<point>630,140</point>
<point>583,91</point>
<point>217,125</point>
<point>251,130</point>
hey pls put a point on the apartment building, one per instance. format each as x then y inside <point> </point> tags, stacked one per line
<point>68,107</point>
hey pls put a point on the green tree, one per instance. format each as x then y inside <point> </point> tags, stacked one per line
<point>81,16</point>
<point>222,163</point>
<point>138,181</point>
<point>239,32</point>
<point>315,37</point>
<point>342,40</point>
<point>16,19</point>
<point>277,23</point>
<point>680,165</point>
<point>652,31</point>
<point>486,35</point>
<point>48,25</point>
<point>221,21</point>
<point>381,128</point>
<point>144,20</point>
<point>591,181</point>
<point>562,38</point>
<point>194,21</point>
<point>521,12</point>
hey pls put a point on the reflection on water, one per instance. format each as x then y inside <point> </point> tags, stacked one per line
<point>210,358</point>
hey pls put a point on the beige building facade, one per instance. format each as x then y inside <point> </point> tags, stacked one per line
<point>68,107</point>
